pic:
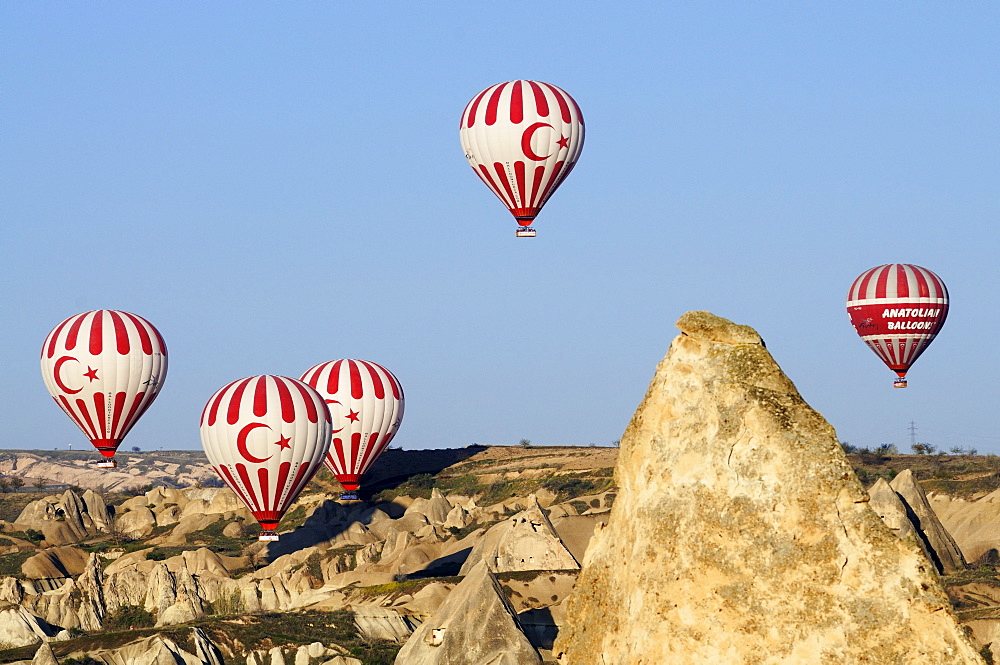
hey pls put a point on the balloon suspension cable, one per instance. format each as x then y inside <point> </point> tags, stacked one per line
<point>269,536</point>
<point>899,383</point>
<point>524,232</point>
<point>107,464</point>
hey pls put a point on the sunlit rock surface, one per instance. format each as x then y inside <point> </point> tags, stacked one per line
<point>741,535</point>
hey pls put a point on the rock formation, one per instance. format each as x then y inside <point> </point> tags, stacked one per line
<point>741,535</point>
<point>44,656</point>
<point>526,541</point>
<point>943,549</point>
<point>474,626</point>
<point>894,514</point>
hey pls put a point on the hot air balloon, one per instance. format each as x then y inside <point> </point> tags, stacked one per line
<point>104,368</point>
<point>266,437</point>
<point>366,405</point>
<point>522,138</point>
<point>898,309</point>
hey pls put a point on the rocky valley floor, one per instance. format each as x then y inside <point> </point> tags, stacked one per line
<point>150,564</point>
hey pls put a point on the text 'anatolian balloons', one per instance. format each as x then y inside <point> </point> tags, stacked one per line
<point>266,437</point>
<point>366,405</point>
<point>898,309</point>
<point>104,368</point>
<point>522,138</point>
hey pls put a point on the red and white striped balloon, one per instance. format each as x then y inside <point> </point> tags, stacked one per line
<point>898,309</point>
<point>104,368</point>
<point>366,405</point>
<point>522,138</point>
<point>266,437</point>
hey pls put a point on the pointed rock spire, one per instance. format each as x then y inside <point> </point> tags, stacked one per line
<point>741,535</point>
<point>475,625</point>
<point>943,548</point>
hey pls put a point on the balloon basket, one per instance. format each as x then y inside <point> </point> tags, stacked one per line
<point>348,496</point>
<point>899,383</point>
<point>268,536</point>
<point>107,464</point>
<point>524,232</point>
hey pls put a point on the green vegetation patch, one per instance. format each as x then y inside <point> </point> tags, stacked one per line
<point>10,564</point>
<point>403,587</point>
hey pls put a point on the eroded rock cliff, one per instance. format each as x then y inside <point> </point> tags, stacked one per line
<point>741,535</point>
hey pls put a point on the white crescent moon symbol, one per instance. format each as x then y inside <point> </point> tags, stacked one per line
<point>59,382</point>
<point>526,141</point>
<point>241,443</point>
<point>333,401</point>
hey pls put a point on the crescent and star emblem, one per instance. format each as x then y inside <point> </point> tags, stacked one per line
<point>241,443</point>
<point>526,137</point>
<point>333,401</point>
<point>58,379</point>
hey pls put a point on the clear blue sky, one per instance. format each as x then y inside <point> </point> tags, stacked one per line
<point>276,185</point>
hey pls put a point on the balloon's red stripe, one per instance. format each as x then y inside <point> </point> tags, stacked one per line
<point>80,422</point>
<point>213,413</point>
<point>541,103</point>
<point>121,333</point>
<point>355,449</point>
<point>233,413</point>
<point>260,397</point>
<point>74,331</point>
<point>81,406</point>
<point>536,185</point>
<point>502,177</point>
<point>53,338</point>
<point>376,380</point>
<point>371,452</point>
<point>312,413</point>
<point>923,288</point>
<point>488,179</point>
<point>549,187</point>
<point>333,379</point>
<point>579,113</point>
<point>902,281</point>
<point>97,333</point>
<point>882,282</point>
<point>300,480</point>
<point>342,455</point>
<point>100,417</point>
<point>519,176</point>
<point>134,412</point>
<point>280,485</point>
<point>563,106</point>
<point>285,399</point>
<point>493,104</point>
<point>116,414</point>
<point>253,504</point>
<point>516,104</point>
<point>397,390</point>
<point>863,281</point>
<point>357,390</point>
<point>265,495</point>
<point>144,340</point>
<point>235,486</point>
<point>473,107</point>
<point>312,375</point>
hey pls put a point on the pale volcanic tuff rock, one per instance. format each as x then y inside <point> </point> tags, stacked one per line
<point>943,549</point>
<point>741,535</point>
<point>888,506</point>
<point>475,625</point>
<point>526,541</point>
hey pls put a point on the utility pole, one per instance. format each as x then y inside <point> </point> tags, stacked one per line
<point>913,433</point>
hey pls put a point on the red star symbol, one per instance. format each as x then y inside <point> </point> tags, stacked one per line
<point>91,373</point>
<point>352,416</point>
<point>284,442</point>
<point>563,141</point>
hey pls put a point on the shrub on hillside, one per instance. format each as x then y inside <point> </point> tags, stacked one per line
<point>127,617</point>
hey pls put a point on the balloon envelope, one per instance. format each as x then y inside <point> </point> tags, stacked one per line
<point>366,406</point>
<point>104,368</point>
<point>898,309</point>
<point>522,138</point>
<point>266,437</point>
